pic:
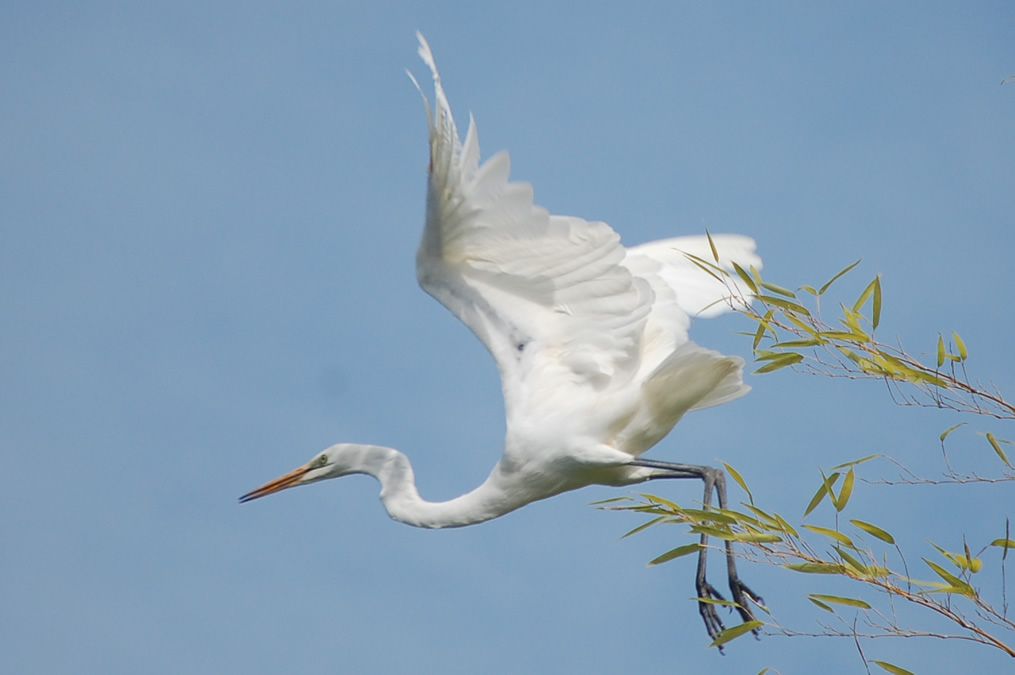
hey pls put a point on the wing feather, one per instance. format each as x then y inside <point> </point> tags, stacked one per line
<point>530,285</point>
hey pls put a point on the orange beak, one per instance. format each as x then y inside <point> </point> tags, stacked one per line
<point>281,483</point>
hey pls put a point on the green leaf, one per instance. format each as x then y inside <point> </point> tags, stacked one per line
<point>838,536</point>
<point>940,351</point>
<point>794,344</point>
<point>784,304</point>
<point>779,361</point>
<point>756,537</point>
<point>645,526</point>
<point>711,245</point>
<point>821,291</point>
<point>997,448</point>
<point>894,670</point>
<point>816,568</point>
<point>949,430</point>
<point>810,289</point>
<point>867,292</point>
<point>858,461</point>
<point>735,475</point>
<point>746,278</point>
<point>735,632</point>
<point>1004,543</point>
<point>825,489</point>
<point>844,494</point>
<point>957,585</point>
<point>778,289</point>
<point>876,305</point>
<point>821,604</point>
<point>960,346</point>
<point>677,552</point>
<point>839,600</point>
<point>874,531</point>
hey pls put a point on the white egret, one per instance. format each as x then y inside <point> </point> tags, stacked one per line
<point>590,339</point>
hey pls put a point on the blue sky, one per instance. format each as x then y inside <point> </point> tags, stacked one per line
<point>208,220</point>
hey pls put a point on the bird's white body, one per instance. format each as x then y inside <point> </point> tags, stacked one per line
<point>590,337</point>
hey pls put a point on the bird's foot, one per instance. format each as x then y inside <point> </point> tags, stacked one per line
<point>713,624</point>
<point>743,596</point>
<point>709,598</point>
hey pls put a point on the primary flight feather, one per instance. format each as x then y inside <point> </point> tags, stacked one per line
<point>590,339</point>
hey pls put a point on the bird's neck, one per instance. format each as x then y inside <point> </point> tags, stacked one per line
<point>403,503</point>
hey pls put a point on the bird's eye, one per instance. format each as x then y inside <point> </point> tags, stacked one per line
<point>321,461</point>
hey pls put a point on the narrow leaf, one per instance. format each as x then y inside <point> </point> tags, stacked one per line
<point>940,351</point>
<point>876,305</point>
<point>821,291</point>
<point>739,479</point>
<point>711,245</point>
<point>960,346</point>
<point>867,292</point>
<point>825,489</point>
<point>821,604</point>
<point>838,536</point>
<point>677,552</point>
<point>844,494</point>
<point>781,361</point>
<point>858,461</point>
<point>735,632</point>
<point>997,448</point>
<point>644,526</point>
<point>745,277</point>
<point>946,432</point>
<point>778,289</point>
<point>874,531</point>
<point>893,669</point>
<point>839,600</point>
<point>816,568</point>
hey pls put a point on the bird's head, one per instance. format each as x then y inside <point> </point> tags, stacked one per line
<point>330,463</point>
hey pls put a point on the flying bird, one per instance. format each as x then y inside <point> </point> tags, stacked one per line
<point>590,338</point>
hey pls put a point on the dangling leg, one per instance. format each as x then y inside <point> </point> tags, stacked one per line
<point>714,479</point>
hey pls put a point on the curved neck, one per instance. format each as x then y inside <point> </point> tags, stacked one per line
<point>402,501</point>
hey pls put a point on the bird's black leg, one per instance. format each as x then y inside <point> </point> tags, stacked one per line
<point>714,480</point>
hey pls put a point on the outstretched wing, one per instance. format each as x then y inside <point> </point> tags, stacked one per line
<point>548,295</point>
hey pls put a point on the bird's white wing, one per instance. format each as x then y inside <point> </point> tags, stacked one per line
<point>549,296</point>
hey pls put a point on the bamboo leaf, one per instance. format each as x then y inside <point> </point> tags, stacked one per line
<point>876,305</point>
<point>778,289</point>
<point>735,632</point>
<point>949,430</point>
<point>735,475</point>
<point>711,245</point>
<point>821,604</point>
<point>820,494</point>
<point>780,361</point>
<point>821,291</point>
<point>816,568</point>
<point>839,600</point>
<point>867,292</point>
<point>997,448</point>
<point>746,278</point>
<point>940,351</point>
<point>756,537</point>
<point>838,536</point>
<point>844,494</point>
<point>960,346</point>
<point>858,461</point>
<point>893,669</point>
<point>644,526</point>
<point>677,552</point>
<point>1004,543</point>
<point>874,531</point>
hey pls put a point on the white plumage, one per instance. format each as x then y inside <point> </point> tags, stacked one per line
<point>590,339</point>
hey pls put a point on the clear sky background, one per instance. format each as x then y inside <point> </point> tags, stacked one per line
<point>208,221</point>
